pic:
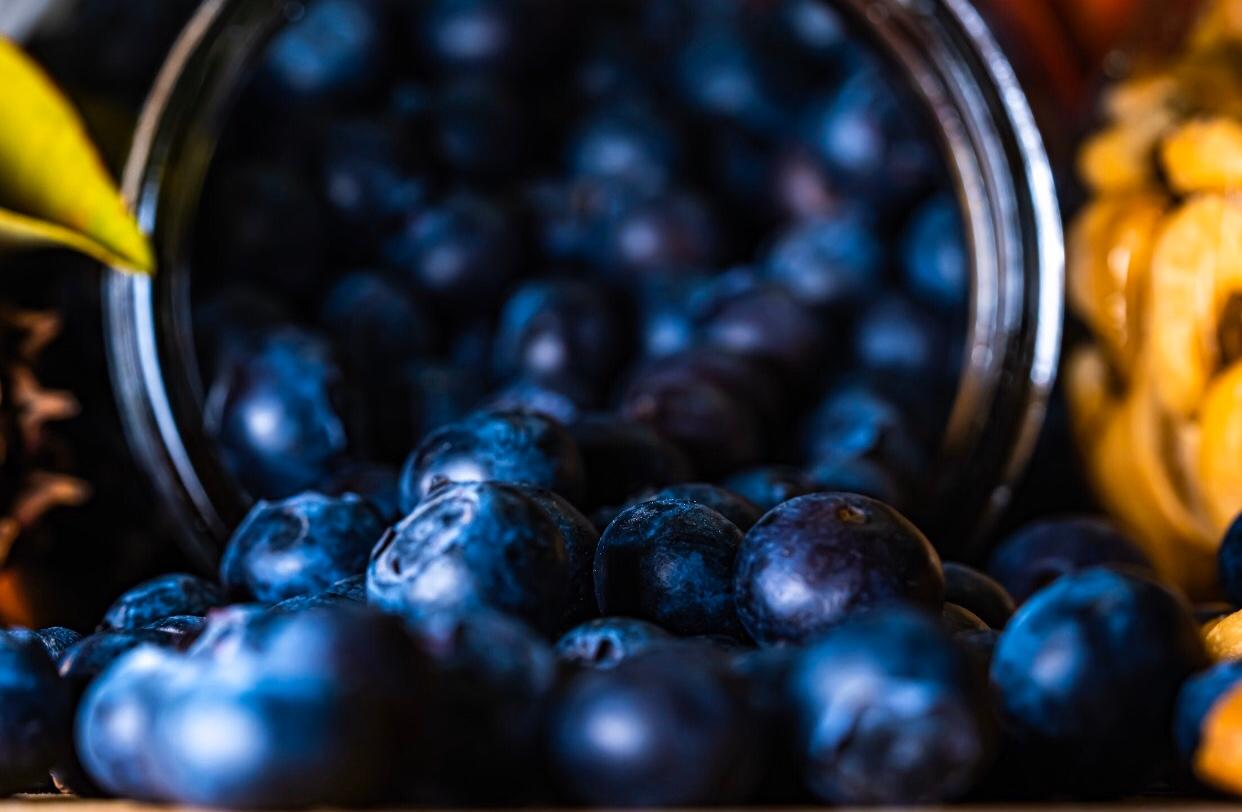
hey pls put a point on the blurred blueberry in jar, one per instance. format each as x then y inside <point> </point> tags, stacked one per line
<point>722,74</point>
<point>622,459</point>
<point>863,476</point>
<point>470,545</point>
<point>568,217</point>
<point>770,485</point>
<point>228,320</point>
<point>480,130</point>
<point>800,187</point>
<point>484,37</point>
<point>734,507</point>
<point>866,135</point>
<point>376,324</point>
<point>460,251</point>
<point>606,642</point>
<point>367,177</point>
<point>520,447</point>
<point>815,26</point>
<point>933,254</point>
<point>276,415</point>
<point>337,50</point>
<point>631,145</point>
<point>673,233</point>
<point>265,224</point>
<point>561,400</point>
<point>856,422</point>
<point>897,341</point>
<point>560,329</point>
<point>828,261</point>
<point>771,325</point>
<point>299,546</point>
<point>161,597</point>
<point>667,321</point>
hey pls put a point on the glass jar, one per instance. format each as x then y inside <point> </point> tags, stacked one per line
<point>984,125</point>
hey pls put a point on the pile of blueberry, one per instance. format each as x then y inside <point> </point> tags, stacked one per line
<point>708,235</point>
<point>653,304</point>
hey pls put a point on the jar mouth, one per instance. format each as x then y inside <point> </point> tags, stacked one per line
<point>989,140</point>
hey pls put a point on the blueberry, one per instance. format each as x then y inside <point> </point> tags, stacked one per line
<point>622,459</point>
<point>480,130</point>
<point>182,630</point>
<point>34,714</point>
<point>1042,552</point>
<point>977,592</point>
<point>581,538</point>
<point>863,476</point>
<point>670,562</point>
<point>801,189</point>
<point>571,217</point>
<point>719,432</point>
<point>979,645</point>
<point>661,729</point>
<point>722,75</point>
<point>480,36</point>
<point>933,254</point>
<point>631,145</point>
<point>275,413</point>
<point>336,50</point>
<point>672,233</point>
<point>55,639</point>
<point>737,509</point>
<point>900,340</point>
<point>815,560</point>
<point>563,401</point>
<point>491,679</point>
<point>114,721</point>
<point>266,225</point>
<point>748,380</point>
<point>771,325</point>
<point>668,321</point>
<point>474,544</point>
<point>367,176</point>
<point>828,261</point>
<point>1229,562</point>
<point>889,711</point>
<point>865,133</point>
<point>321,716</point>
<point>173,594</point>
<point>609,641</point>
<point>504,446</point>
<point>857,422</point>
<point>229,320</point>
<point>460,251</point>
<point>377,484</point>
<point>768,486</point>
<point>815,27</point>
<point>375,325</point>
<point>1088,672</point>
<point>299,546</point>
<point>553,329</point>
<point>957,620</point>
<point>1196,700</point>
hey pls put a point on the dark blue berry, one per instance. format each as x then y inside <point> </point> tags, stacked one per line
<point>769,324</point>
<point>828,261</point>
<point>1042,552</point>
<point>375,325</point>
<point>864,476</point>
<point>673,233</point>
<point>737,509</point>
<point>299,546</point>
<point>815,560</point>
<point>626,735</point>
<point>581,538</point>
<point>377,484</point>
<point>35,714</point>
<point>670,562</point>
<point>480,130</point>
<point>933,254</point>
<point>474,544</point>
<point>631,145</point>
<point>977,592</point>
<point>608,641</point>
<point>275,413</point>
<point>460,251</point>
<point>367,177</point>
<point>890,711</point>
<point>767,486</point>
<point>856,422</point>
<point>1196,699</point>
<point>518,447</point>
<point>161,597</point>
<point>900,340</point>
<point>337,49</point>
<point>1087,674</point>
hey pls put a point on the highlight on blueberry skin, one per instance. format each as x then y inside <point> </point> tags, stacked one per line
<point>670,562</point>
<point>812,561</point>
<point>1087,675</point>
<point>299,546</point>
<point>890,711</point>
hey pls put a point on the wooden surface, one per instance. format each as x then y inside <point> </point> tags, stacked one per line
<point>58,803</point>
